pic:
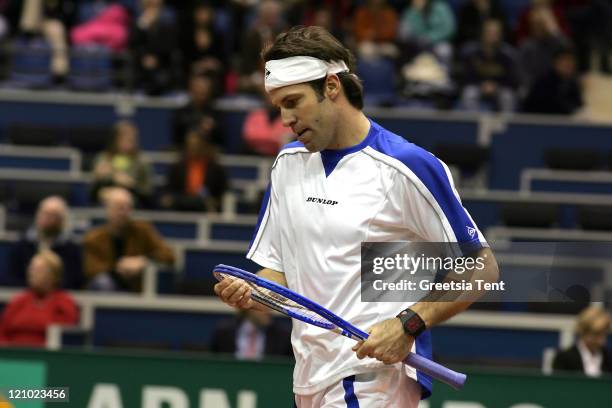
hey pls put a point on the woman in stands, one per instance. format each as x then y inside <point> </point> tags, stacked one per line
<point>122,165</point>
<point>27,316</point>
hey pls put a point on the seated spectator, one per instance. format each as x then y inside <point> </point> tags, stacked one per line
<point>252,335</point>
<point>5,25</point>
<point>197,181</point>
<point>198,113</point>
<point>591,31</point>
<point>28,315</point>
<point>490,71</point>
<point>153,42</point>
<point>558,91</point>
<point>48,232</point>
<point>205,45</point>
<point>109,28</point>
<point>267,25</point>
<point>51,19</point>
<point>122,165</point>
<point>375,29</point>
<point>472,16</point>
<point>538,49</point>
<point>427,25</point>
<point>547,11</point>
<point>589,355</point>
<point>263,130</point>
<point>116,254</point>
<point>333,15</point>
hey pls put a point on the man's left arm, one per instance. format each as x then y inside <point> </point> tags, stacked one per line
<point>390,341</point>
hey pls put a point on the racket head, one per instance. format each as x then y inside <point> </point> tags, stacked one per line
<point>273,296</point>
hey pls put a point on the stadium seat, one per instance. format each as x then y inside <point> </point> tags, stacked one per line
<point>469,158</point>
<point>595,217</point>
<point>33,135</point>
<point>89,140</point>
<point>534,215</point>
<point>573,159</point>
<point>91,69</point>
<point>378,76</point>
<point>29,194</point>
<point>30,64</point>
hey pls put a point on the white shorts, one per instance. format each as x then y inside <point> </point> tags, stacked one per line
<point>383,389</point>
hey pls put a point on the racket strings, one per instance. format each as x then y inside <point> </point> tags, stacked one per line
<point>279,302</point>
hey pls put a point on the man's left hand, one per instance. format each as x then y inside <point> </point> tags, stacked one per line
<point>387,342</point>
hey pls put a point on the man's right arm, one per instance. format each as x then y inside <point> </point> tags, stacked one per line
<point>237,293</point>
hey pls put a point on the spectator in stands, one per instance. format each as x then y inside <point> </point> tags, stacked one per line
<point>117,253</point>
<point>153,42</point>
<point>197,181</point>
<point>263,130</point>
<point>591,31</point>
<point>589,355</point>
<point>122,165</point>
<point>48,232</point>
<point>558,91</point>
<point>427,26</point>
<point>28,315</point>
<point>333,15</point>
<point>267,25</point>
<point>52,19</point>
<point>539,47</point>
<point>252,335</point>
<point>206,49</point>
<point>490,71</point>
<point>198,113</point>
<point>375,29</point>
<point>4,20</point>
<point>109,28</point>
<point>545,9</point>
<point>472,16</point>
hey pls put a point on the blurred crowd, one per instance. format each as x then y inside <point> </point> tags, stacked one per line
<point>459,54</point>
<point>468,55</point>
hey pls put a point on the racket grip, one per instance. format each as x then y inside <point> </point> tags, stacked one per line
<point>435,370</point>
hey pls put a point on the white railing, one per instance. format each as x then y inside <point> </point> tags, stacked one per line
<point>73,156</point>
<point>529,175</point>
<point>558,234</point>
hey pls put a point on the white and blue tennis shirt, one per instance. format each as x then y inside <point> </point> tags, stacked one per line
<point>316,213</point>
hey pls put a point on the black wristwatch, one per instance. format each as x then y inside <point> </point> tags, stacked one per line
<point>411,322</point>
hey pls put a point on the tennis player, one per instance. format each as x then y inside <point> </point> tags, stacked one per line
<point>346,181</point>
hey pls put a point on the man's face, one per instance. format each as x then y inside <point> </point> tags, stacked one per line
<point>50,217</point>
<point>118,208</point>
<point>310,118</point>
<point>200,90</point>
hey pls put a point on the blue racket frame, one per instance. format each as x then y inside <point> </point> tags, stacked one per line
<point>435,370</point>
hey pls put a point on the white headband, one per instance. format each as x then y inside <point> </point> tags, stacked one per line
<point>295,70</point>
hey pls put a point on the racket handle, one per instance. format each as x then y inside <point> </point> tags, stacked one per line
<point>435,370</point>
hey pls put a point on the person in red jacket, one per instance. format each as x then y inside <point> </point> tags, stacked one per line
<point>27,316</point>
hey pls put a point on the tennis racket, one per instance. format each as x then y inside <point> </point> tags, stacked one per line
<point>286,301</point>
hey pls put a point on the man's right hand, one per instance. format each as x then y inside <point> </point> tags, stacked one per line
<point>235,293</point>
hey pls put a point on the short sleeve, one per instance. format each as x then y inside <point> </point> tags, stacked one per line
<point>265,248</point>
<point>430,204</point>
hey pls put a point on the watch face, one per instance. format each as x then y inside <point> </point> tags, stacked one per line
<point>413,324</point>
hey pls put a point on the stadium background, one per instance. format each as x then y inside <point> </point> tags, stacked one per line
<point>522,176</point>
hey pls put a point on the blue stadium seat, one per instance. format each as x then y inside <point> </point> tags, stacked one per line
<point>91,69</point>
<point>30,64</point>
<point>378,76</point>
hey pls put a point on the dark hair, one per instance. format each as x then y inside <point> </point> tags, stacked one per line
<point>317,42</point>
<point>113,147</point>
